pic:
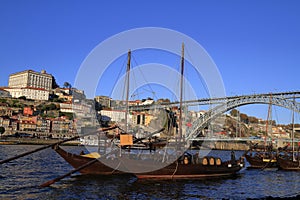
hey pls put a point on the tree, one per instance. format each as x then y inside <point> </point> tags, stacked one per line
<point>273,122</point>
<point>253,120</point>
<point>244,118</point>
<point>22,97</point>
<point>67,85</point>
<point>2,130</point>
<point>98,106</point>
<point>70,116</point>
<point>52,106</point>
<point>54,84</point>
<point>3,100</point>
<point>234,112</point>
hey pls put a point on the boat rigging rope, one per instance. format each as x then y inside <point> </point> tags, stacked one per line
<point>116,167</point>
<point>175,169</point>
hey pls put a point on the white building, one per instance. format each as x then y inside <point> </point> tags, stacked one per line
<point>29,93</point>
<point>114,115</point>
<point>148,102</point>
<point>31,84</point>
<point>30,78</point>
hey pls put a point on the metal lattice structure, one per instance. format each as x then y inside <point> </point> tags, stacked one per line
<point>224,104</point>
<point>212,101</point>
<point>231,103</point>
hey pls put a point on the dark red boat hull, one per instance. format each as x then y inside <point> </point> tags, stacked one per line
<point>96,168</point>
<point>259,163</point>
<point>286,163</point>
<point>175,170</point>
<point>178,170</point>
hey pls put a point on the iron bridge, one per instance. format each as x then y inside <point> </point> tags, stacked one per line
<point>224,104</point>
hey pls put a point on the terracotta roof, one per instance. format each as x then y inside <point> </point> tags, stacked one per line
<point>33,88</point>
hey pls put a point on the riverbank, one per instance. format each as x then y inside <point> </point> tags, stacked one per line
<point>221,145</point>
<point>35,141</point>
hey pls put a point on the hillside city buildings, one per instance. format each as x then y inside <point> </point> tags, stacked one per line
<point>71,112</point>
<point>53,121</point>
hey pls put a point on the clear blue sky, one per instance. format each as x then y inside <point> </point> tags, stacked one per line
<point>255,44</point>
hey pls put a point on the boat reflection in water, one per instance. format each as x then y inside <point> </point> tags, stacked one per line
<point>261,157</point>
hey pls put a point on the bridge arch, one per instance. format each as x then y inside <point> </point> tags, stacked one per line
<point>215,112</point>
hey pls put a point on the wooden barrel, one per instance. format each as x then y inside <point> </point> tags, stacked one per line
<point>218,161</point>
<point>204,161</point>
<point>211,161</point>
<point>186,160</point>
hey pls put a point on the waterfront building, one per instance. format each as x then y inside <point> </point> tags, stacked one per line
<point>141,118</point>
<point>62,128</point>
<point>5,110</point>
<point>5,122</point>
<point>30,78</point>
<point>69,94</point>
<point>14,125</point>
<point>26,125</point>
<point>114,115</point>
<point>10,125</point>
<point>105,101</point>
<point>43,125</point>
<point>60,125</point>
<point>80,109</point>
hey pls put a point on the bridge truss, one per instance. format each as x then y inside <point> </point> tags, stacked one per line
<point>278,100</point>
<point>224,104</point>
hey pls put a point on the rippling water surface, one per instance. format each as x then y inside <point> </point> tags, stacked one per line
<point>20,179</point>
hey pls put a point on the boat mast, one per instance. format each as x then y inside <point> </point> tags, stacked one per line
<point>181,92</point>
<point>127,89</point>
<point>293,129</point>
<point>269,119</point>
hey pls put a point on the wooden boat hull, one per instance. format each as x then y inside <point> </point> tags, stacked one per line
<point>96,168</point>
<point>257,162</point>
<point>286,163</point>
<point>175,170</point>
<point>178,170</point>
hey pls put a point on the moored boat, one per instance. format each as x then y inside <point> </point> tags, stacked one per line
<point>286,161</point>
<point>185,167</point>
<point>289,159</point>
<point>150,166</point>
<point>261,157</point>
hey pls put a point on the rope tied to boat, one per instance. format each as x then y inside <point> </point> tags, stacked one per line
<point>116,167</point>
<point>175,169</point>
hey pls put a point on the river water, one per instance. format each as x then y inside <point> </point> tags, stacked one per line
<point>20,179</point>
